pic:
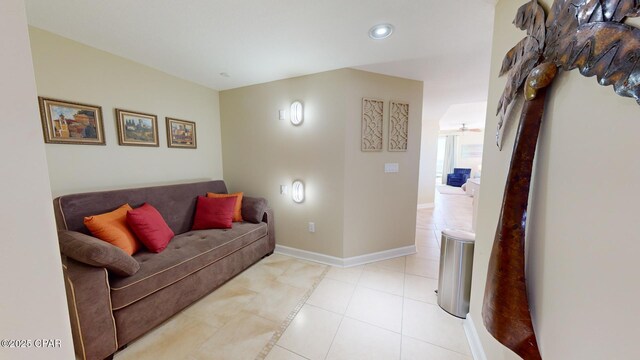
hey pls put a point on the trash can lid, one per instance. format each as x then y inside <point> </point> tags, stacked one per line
<point>459,234</point>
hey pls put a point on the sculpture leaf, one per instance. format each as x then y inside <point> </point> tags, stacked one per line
<point>608,50</point>
<point>530,17</point>
<point>521,59</point>
<point>617,10</point>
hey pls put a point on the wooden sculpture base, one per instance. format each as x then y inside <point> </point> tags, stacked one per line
<point>505,311</point>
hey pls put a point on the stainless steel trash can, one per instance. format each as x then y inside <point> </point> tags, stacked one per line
<point>456,263</point>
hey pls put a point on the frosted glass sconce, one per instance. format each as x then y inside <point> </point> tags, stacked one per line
<point>297,191</point>
<point>297,113</point>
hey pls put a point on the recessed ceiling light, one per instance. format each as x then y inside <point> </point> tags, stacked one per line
<point>381,31</point>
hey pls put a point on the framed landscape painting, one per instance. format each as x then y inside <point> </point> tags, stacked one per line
<point>181,134</point>
<point>136,128</point>
<point>65,122</point>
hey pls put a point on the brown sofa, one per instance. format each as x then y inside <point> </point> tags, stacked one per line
<point>108,310</point>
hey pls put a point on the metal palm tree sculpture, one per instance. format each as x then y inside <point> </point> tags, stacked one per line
<point>586,34</point>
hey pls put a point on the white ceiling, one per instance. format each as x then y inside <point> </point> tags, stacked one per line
<point>472,115</point>
<point>445,43</point>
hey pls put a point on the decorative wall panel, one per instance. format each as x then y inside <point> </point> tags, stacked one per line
<point>398,126</point>
<point>372,122</point>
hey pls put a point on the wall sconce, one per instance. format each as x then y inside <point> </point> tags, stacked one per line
<point>297,191</point>
<point>297,113</point>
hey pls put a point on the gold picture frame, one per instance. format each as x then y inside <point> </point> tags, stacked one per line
<point>66,122</point>
<point>137,128</point>
<point>181,134</point>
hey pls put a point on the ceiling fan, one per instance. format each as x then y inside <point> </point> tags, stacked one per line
<point>465,128</point>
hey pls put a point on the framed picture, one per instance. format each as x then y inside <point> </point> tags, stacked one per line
<point>136,128</point>
<point>65,122</point>
<point>181,134</point>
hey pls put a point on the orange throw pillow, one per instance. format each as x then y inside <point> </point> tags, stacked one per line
<point>237,210</point>
<point>112,228</point>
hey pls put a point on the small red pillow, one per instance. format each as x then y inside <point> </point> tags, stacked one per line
<point>150,228</point>
<point>214,213</point>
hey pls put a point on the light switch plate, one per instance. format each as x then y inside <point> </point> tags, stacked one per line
<point>312,227</point>
<point>391,167</point>
<point>284,189</point>
<point>281,115</point>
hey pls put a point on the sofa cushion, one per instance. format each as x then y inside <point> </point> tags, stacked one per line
<point>95,252</point>
<point>185,254</point>
<point>253,209</point>
<point>112,227</point>
<point>214,213</point>
<point>150,228</point>
<point>237,210</point>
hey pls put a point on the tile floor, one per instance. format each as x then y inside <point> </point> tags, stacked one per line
<point>383,310</point>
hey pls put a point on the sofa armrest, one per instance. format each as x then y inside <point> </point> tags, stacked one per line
<point>89,299</point>
<point>253,209</point>
<point>271,228</point>
<point>92,251</point>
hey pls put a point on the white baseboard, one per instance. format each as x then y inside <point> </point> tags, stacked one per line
<point>345,262</point>
<point>474,341</point>
<point>426,206</point>
<point>309,255</point>
<point>379,256</point>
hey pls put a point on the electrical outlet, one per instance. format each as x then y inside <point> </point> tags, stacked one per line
<point>312,227</point>
<point>391,167</point>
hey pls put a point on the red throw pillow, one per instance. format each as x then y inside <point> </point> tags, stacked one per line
<point>150,228</point>
<point>237,211</point>
<point>214,213</point>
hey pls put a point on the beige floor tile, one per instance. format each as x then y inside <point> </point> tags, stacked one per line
<point>427,252</point>
<point>277,264</point>
<point>332,295</point>
<point>429,323</point>
<point>422,267</point>
<point>376,308</point>
<point>413,349</point>
<point>256,278</point>
<point>350,274</point>
<point>391,282</point>
<point>276,302</point>
<point>222,305</point>
<point>242,338</point>
<point>394,264</point>
<point>278,353</point>
<point>311,332</point>
<point>356,340</point>
<point>420,288</point>
<point>175,339</point>
<point>302,274</point>
<point>425,234</point>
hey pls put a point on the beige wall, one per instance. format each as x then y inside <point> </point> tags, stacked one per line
<point>68,70</point>
<point>379,207</point>
<point>262,152</point>
<point>343,185</point>
<point>33,303</point>
<point>583,228</point>
<point>428,158</point>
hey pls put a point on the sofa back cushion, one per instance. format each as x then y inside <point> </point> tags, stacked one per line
<point>176,203</point>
